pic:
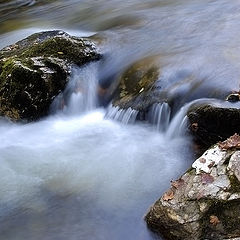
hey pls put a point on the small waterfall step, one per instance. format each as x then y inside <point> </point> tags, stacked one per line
<point>125,116</point>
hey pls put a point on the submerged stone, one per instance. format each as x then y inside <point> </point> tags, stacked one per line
<point>204,203</point>
<point>35,70</point>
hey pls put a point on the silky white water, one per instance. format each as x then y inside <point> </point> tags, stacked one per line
<point>79,175</point>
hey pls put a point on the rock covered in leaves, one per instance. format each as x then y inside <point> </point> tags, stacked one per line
<point>205,202</point>
<point>34,70</point>
<point>210,124</point>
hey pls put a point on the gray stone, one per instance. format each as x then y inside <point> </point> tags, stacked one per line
<point>204,203</point>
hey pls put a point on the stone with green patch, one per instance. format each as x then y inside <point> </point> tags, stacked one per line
<point>36,69</point>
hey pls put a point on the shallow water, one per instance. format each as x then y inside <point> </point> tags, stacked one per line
<point>79,175</point>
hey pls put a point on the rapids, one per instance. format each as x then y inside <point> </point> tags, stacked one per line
<point>86,172</point>
<point>80,175</point>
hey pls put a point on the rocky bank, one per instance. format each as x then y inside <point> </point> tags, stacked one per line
<point>205,202</point>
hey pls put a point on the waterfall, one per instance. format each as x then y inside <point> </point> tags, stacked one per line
<point>125,116</point>
<point>80,94</point>
<point>178,124</point>
<point>159,115</point>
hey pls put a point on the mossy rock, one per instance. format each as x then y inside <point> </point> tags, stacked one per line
<point>35,70</point>
<point>137,88</point>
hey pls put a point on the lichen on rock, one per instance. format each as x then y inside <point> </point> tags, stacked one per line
<point>35,70</point>
<point>206,205</point>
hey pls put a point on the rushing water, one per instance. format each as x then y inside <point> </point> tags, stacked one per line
<point>79,174</point>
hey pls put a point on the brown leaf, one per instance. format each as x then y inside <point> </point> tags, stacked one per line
<point>211,164</point>
<point>202,160</point>
<point>178,183</point>
<point>207,178</point>
<point>169,195</point>
<point>194,127</point>
<point>232,142</point>
<point>214,220</point>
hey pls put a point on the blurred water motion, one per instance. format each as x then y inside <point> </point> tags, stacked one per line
<point>85,177</point>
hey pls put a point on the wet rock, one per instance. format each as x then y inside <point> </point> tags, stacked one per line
<point>233,97</point>
<point>36,69</point>
<point>204,203</point>
<point>137,88</point>
<point>146,82</point>
<point>210,124</point>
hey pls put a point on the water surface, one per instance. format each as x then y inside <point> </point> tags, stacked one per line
<point>79,175</point>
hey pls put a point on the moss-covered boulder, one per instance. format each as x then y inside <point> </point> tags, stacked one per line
<point>137,85</point>
<point>213,123</point>
<point>205,202</point>
<point>35,70</point>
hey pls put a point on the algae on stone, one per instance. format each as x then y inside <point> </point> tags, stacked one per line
<point>137,85</point>
<point>35,70</point>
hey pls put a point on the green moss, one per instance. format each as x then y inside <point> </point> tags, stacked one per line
<point>59,47</point>
<point>235,184</point>
<point>137,79</point>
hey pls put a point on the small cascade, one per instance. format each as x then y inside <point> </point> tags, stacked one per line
<point>159,115</point>
<point>80,93</point>
<point>178,124</point>
<point>125,116</point>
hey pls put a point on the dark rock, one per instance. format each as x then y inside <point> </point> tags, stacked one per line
<point>210,124</point>
<point>204,203</point>
<point>233,97</point>
<point>35,70</point>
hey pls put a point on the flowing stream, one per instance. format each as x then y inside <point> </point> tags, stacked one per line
<point>90,173</point>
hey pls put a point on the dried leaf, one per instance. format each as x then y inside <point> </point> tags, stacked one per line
<point>178,183</point>
<point>207,178</point>
<point>194,127</point>
<point>211,164</point>
<point>232,142</point>
<point>214,220</point>
<point>202,160</point>
<point>169,195</point>
<point>60,53</point>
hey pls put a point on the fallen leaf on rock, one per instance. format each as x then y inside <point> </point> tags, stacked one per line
<point>194,127</point>
<point>60,53</point>
<point>232,142</point>
<point>207,178</point>
<point>178,183</point>
<point>211,164</point>
<point>214,220</point>
<point>202,160</point>
<point>169,195</point>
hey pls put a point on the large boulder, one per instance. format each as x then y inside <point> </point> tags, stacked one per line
<point>205,202</point>
<point>211,123</point>
<point>35,70</point>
